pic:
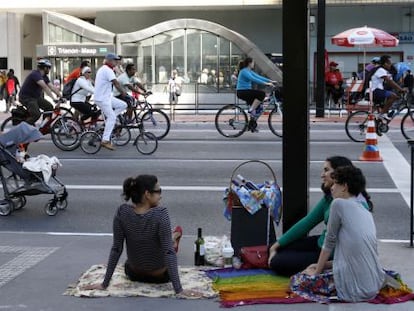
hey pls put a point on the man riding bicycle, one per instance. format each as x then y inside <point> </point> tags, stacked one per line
<point>129,82</point>
<point>110,106</point>
<point>31,93</point>
<point>378,79</point>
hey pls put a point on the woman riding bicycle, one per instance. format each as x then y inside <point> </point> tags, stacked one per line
<point>244,85</point>
<point>81,91</point>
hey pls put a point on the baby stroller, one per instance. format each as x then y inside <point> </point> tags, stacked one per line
<point>19,182</point>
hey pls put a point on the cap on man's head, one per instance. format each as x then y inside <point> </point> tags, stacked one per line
<point>112,56</point>
<point>333,64</point>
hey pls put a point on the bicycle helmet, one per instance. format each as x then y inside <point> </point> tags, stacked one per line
<point>375,60</point>
<point>44,63</point>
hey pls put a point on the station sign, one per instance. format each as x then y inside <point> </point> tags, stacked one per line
<point>74,50</point>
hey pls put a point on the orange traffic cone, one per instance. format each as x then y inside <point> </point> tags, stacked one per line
<point>371,151</point>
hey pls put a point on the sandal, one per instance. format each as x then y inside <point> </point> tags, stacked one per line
<point>176,241</point>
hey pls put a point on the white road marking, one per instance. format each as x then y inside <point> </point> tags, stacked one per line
<point>397,167</point>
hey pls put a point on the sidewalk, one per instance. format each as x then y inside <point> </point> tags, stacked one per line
<point>36,268</point>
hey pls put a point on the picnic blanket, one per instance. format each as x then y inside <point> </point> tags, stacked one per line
<point>121,286</point>
<point>260,286</point>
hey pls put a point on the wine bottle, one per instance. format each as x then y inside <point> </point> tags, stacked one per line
<point>247,183</point>
<point>199,250</point>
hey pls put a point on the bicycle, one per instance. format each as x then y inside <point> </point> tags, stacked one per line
<point>146,142</point>
<point>232,120</point>
<point>154,120</point>
<point>357,122</point>
<point>67,132</point>
<point>51,120</point>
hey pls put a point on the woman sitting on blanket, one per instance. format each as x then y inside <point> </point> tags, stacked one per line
<point>355,273</point>
<point>146,228</point>
<point>294,250</point>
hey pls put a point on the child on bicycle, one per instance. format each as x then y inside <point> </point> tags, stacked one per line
<point>244,85</point>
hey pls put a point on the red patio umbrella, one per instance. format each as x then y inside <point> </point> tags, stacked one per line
<point>364,37</point>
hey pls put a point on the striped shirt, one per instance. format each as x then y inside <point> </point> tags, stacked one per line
<point>148,239</point>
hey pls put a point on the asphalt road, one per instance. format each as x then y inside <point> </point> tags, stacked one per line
<point>194,165</point>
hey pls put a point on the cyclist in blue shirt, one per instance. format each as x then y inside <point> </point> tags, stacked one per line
<point>244,85</point>
<point>34,87</point>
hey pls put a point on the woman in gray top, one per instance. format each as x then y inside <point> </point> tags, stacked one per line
<point>351,234</point>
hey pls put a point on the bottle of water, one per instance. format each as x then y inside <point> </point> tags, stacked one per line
<point>247,183</point>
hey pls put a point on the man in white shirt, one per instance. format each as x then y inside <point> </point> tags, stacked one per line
<point>379,93</point>
<point>104,99</point>
<point>129,82</point>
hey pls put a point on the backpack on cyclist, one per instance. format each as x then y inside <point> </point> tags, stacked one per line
<point>67,89</point>
<point>368,76</point>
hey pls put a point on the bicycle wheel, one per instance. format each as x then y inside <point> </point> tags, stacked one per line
<point>146,143</point>
<point>231,121</point>
<point>157,122</point>
<point>7,124</point>
<point>275,122</point>
<point>356,126</point>
<point>121,135</point>
<point>407,125</point>
<point>65,133</point>
<point>90,142</point>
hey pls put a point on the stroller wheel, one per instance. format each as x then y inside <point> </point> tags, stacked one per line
<point>6,207</point>
<point>62,204</point>
<point>51,208</point>
<point>19,202</point>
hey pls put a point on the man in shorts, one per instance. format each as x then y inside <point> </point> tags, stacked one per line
<point>110,106</point>
<point>130,83</point>
<point>34,86</point>
<point>379,93</point>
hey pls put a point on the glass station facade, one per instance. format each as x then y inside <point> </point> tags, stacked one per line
<point>198,56</point>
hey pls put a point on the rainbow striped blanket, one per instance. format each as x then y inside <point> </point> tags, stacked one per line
<point>259,286</point>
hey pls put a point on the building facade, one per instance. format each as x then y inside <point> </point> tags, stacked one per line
<point>203,45</point>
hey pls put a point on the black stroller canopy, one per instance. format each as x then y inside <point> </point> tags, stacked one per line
<point>22,133</point>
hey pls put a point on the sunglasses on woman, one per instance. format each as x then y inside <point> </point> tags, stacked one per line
<point>156,191</point>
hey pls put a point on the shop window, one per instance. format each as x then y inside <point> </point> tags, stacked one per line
<point>3,63</point>
<point>27,63</point>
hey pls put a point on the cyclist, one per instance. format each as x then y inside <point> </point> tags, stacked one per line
<point>31,94</point>
<point>381,76</point>
<point>244,88</point>
<point>129,82</point>
<point>82,90</point>
<point>77,71</point>
<point>104,99</point>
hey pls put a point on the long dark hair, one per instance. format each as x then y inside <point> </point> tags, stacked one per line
<point>339,161</point>
<point>245,63</point>
<point>134,188</point>
<point>352,177</point>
